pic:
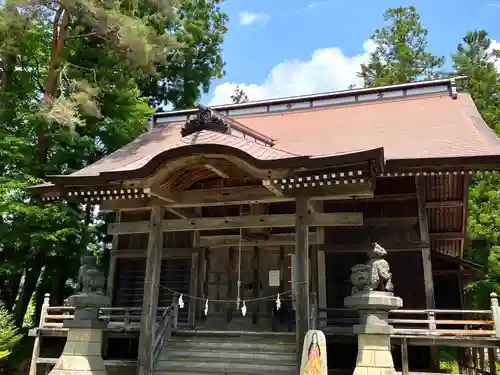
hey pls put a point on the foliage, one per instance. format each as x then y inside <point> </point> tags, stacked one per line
<point>475,59</point>
<point>239,96</point>
<point>400,54</point>
<point>200,30</point>
<point>73,88</point>
<point>9,333</point>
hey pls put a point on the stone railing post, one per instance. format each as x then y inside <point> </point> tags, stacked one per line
<point>82,352</point>
<point>496,313</point>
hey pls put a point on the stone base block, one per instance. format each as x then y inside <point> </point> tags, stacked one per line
<point>81,354</point>
<point>374,355</point>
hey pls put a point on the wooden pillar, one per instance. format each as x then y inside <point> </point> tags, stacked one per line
<point>151,290</point>
<point>424,237</point>
<point>193,290</point>
<point>426,257</point>
<point>193,285</point>
<point>313,269</point>
<point>205,280</point>
<point>314,249</point>
<point>202,258</point>
<point>256,285</point>
<point>230,283</point>
<point>301,265</point>
<point>322,288</point>
<point>112,261</point>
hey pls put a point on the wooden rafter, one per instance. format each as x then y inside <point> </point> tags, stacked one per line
<point>216,170</point>
<point>272,188</point>
<point>167,197</point>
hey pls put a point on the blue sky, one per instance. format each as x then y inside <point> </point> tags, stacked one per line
<point>288,47</point>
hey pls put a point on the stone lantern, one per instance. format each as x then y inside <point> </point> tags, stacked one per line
<point>82,352</point>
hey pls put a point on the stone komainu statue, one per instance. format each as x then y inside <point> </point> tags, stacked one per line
<point>374,275</point>
<point>90,279</point>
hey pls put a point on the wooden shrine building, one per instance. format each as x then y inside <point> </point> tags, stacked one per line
<point>260,198</point>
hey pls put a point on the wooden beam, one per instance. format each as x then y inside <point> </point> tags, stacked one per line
<point>163,194</point>
<point>142,253</point>
<point>232,196</point>
<point>225,196</point>
<point>302,279</point>
<point>256,194</point>
<point>444,204</point>
<point>236,222</point>
<point>278,239</point>
<point>424,237</point>
<point>446,236</point>
<point>151,291</point>
<point>362,248</point>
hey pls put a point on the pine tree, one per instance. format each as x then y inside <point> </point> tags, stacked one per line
<point>239,96</point>
<point>401,51</point>
<point>475,59</point>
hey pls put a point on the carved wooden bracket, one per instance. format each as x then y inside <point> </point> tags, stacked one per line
<point>206,119</point>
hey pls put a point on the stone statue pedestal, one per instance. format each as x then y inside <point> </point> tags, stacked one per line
<point>374,332</point>
<point>82,352</point>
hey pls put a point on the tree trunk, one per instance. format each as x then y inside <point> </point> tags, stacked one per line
<point>57,292</point>
<point>32,274</point>
<point>59,34</point>
<point>11,290</point>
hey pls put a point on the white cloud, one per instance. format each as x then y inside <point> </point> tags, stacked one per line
<point>312,5</point>
<point>495,46</point>
<point>327,70</point>
<point>251,18</point>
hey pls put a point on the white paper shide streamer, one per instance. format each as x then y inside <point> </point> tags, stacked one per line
<point>244,309</point>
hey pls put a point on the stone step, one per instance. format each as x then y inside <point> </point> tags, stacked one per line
<point>190,367</point>
<point>222,352</point>
<point>229,335</point>
<point>264,347</point>
<point>212,355</point>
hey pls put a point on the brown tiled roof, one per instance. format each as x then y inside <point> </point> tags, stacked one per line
<point>139,152</point>
<point>415,128</point>
<point>434,126</point>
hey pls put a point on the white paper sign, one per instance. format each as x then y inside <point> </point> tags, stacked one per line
<point>274,277</point>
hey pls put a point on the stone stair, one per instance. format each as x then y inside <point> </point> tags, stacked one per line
<point>231,353</point>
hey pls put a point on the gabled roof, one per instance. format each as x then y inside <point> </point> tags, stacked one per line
<point>416,125</point>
